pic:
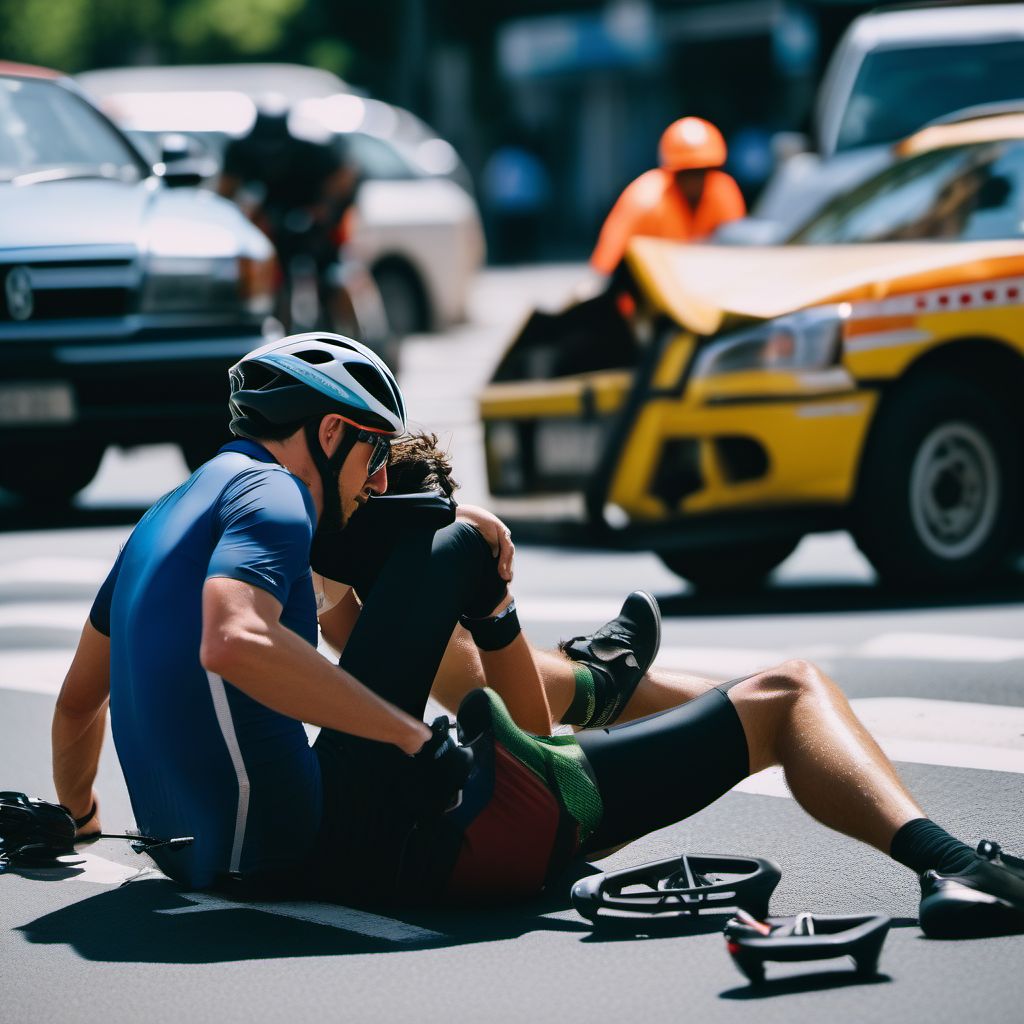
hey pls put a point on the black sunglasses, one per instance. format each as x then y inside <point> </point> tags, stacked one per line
<point>381,454</point>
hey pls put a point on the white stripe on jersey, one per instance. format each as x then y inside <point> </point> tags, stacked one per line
<point>227,728</point>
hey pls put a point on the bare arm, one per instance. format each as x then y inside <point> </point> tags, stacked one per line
<point>337,623</point>
<point>244,642</point>
<point>79,722</point>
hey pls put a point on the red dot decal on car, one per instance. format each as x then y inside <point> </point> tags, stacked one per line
<point>1012,293</point>
<point>965,299</point>
<point>943,300</point>
<point>921,302</point>
<point>989,294</point>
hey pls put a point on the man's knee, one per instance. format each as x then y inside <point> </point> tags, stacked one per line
<point>463,546</point>
<point>765,700</point>
<point>800,678</point>
<point>462,553</point>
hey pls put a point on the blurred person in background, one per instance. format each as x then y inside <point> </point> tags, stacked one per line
<point>299,191</point>
<point>687,198</point>
<point>516,190</point>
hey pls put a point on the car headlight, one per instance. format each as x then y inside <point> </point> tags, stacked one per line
<point>190,284</point>
<point>258,280</point>
<point>808,340</point>
<point>187,284</point>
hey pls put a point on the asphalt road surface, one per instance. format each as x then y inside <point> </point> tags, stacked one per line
<point>938,681</point>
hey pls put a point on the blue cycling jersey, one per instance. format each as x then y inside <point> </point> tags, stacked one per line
<point>201,758</point>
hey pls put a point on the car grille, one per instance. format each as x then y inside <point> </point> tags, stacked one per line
<point>34,291</point>
<point>543,456</point>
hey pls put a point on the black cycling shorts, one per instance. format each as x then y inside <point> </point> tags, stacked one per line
<point>659,770</point>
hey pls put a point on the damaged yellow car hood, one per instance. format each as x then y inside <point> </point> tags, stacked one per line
<point>702,286</point>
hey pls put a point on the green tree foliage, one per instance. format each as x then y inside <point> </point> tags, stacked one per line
<point>73,35</point>
<point>248,28</point>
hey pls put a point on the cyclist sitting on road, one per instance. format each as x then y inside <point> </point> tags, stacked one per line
<point>202,638</point>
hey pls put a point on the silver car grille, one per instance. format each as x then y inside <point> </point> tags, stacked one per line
<point>33,291</point>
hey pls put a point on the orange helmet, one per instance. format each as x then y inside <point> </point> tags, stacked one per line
<point>691,143</point>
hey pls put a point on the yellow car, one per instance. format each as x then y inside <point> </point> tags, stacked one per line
<point>717,404</point>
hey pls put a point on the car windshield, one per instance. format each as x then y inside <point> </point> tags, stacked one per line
<point>898,91</point>
<point>376,159</point>
<point>963,193</point>
<point>48,133</point>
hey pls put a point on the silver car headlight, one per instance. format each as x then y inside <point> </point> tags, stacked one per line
<point>808,340</point>
<point>190,284</point>
<point>193,284</point>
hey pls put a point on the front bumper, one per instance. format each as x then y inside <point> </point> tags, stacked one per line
<point>121,386</point>
<point>683,465</point>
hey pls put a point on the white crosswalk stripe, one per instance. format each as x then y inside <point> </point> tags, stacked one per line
<point>37,640</point>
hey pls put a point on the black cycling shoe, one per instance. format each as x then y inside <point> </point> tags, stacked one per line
<point>618,654</point>
<point>986,899</point>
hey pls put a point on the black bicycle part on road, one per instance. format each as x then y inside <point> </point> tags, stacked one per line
<point>752,941</point>
<point>35,833</point>
<point>677,887</point>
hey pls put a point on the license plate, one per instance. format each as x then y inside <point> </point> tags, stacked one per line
<point>36,403</point>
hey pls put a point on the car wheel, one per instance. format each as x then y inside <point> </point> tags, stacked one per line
<point>195,453</point>
<point>940,491</point>
<point>730,570</point>
<point>403,300</point>
<point>51,473</point>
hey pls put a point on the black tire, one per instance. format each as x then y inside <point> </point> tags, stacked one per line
<point>51,473</point>
<point>403,299</point>
<point>195,453</point>
<point>939,489</point>
<point>730,570</point>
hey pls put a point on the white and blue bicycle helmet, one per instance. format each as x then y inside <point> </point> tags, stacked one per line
<point>298,380</point>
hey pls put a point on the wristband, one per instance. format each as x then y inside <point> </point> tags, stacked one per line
<point>82,822</point>
<point>495,631</point>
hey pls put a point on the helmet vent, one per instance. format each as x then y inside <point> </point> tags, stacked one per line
<point>254,377</point>
<point>315,356</point>
<point>371,379</point>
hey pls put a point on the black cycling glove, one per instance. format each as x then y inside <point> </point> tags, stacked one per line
<point>441,768</point>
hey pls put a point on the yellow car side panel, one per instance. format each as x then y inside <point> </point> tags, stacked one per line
<point>813,449</point>
<point>565,397</point>
<point>891,346</point>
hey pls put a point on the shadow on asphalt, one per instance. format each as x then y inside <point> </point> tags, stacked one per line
<point>621,930</point>
<point>154,922</point>
<point>815,981</point>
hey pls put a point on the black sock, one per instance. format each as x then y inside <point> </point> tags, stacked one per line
<point>922,845</point>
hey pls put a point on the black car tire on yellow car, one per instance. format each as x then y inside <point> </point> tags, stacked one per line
<point>939,494</point>
<point>732,569</point>
<point>51,472</point>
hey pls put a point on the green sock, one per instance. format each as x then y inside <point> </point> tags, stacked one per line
<point>584,701</point>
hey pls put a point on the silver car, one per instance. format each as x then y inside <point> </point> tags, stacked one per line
<point>417,226</point>
<point>123,301</point>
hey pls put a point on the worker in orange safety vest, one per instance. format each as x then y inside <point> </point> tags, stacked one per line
<point>686,198</point>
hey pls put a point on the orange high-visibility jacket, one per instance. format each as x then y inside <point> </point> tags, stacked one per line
<point>653,205</point>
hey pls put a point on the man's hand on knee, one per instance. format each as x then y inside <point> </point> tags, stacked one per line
<point>495,532</point>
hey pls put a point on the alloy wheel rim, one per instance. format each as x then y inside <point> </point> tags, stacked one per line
<point>954,490</point>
